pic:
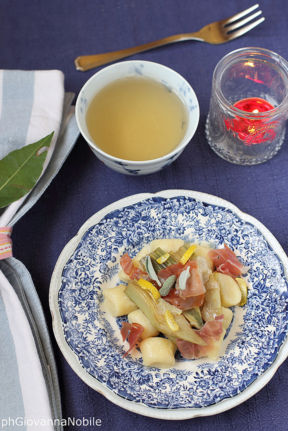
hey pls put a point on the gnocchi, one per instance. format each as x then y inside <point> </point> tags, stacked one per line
<point>116,302</point>
<point>137,316</point>
<point>158,352</point>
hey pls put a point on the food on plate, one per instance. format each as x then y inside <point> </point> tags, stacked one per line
<point>117,302</point>
<point>229,290</point>
<point>137,316</point>
<point>177,297</point>
<point>158,352</point>
<point>149,306</point>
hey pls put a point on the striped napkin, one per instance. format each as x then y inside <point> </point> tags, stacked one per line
<point>32,105</point>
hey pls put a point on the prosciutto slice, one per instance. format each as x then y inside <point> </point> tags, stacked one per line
<point>174,269</point>
<point>194,284</point>
<point>193,294</point>
<point>130,269</point>
<point>132,333</point>
<point>210,332</point>
<point>227,262</point>
<point>184,303</point>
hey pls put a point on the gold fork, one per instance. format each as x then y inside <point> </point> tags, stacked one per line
<point>214,33</point>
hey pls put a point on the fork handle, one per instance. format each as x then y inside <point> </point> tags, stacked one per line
<point>86,62</point>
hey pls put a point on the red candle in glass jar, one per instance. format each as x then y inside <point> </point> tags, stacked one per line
<point>252,130</point>
<point>254,105</point>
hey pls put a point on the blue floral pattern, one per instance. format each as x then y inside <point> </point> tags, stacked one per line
<point>254,339</point>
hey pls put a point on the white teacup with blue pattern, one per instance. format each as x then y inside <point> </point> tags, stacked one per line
<point>147,69</point>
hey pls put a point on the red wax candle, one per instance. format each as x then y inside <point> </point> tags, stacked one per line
<point>252,130</point>
<point>254,105</point>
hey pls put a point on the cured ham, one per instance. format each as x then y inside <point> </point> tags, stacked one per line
<point>132,333</point>
<point>194,284</point>
<point>130,269</point>
<point>184,303</point>
<point>174,269</point>
<point>227,262</point>
<point>212,329</point>
<point>211,332</point>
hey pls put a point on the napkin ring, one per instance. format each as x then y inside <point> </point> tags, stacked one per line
<point>5,242</point>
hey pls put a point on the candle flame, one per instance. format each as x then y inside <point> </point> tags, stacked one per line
<point>249,63</point>
<point>251,129</point>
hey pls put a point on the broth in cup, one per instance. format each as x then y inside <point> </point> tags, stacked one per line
<point>137,116</point>
<point>136,119</point>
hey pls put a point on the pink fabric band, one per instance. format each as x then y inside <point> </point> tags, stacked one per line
<point>5,242</point>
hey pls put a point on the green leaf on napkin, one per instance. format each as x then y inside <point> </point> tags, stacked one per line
<point>20,170</point>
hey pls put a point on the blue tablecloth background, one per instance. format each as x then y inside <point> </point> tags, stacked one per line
<point>36,34</point>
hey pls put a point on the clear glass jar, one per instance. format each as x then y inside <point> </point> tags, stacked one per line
<point>238,136</point>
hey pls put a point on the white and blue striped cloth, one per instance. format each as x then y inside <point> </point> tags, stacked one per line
<point>32,105</point>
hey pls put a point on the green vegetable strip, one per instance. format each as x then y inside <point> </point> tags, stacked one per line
<point>158,252</point>
<point>179,253</point>
<point>194,317</point>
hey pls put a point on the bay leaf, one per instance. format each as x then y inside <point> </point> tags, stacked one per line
<point>20,170</point>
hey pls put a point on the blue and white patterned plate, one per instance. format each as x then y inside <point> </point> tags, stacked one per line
<point>90,340</point>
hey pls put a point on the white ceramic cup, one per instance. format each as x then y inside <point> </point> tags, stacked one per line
<point>147,69</point>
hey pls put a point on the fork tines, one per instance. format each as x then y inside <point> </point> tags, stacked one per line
<point>236,23</point>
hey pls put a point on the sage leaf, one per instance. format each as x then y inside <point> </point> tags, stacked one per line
<point>20,170</point>
<point>183,277</point>
<point>167,285</point>
<point>151,271</point>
